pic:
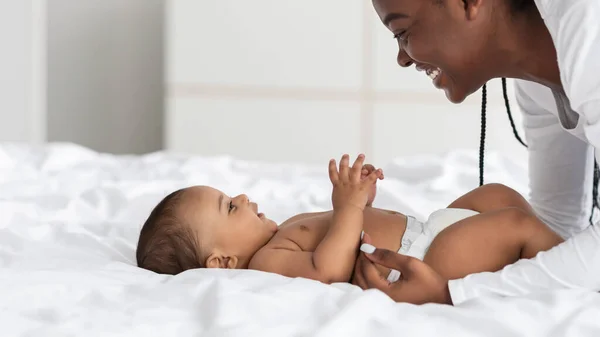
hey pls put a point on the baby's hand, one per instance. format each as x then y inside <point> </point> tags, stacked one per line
<point>349,189</point>
<point>366,170</point>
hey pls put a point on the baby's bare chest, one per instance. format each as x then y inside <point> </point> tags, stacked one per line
<point>384,227</point>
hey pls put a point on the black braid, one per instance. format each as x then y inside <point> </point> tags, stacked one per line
<point>595,203</point>
<point>482,136</point>
<point>510,118</point>
<point>595,191</point>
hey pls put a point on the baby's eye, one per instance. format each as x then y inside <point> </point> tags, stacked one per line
<point>231,206</point>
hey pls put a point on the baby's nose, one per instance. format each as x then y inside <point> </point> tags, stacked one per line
<point>243,198</point>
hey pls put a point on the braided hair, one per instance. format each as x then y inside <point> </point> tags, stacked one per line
<point>595,204</point>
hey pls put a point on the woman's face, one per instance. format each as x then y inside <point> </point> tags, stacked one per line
<point>446,39</point>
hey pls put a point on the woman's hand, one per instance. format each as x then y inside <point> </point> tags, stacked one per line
<point>418,283</point>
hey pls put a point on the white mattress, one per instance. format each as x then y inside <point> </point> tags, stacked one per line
<point>69,222</point>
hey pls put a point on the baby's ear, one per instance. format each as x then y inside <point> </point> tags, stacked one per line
<point>216,260</point>
<point>232,262</point>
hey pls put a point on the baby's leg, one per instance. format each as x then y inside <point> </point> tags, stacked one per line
<point>492,197</point>
<point>488,242</point>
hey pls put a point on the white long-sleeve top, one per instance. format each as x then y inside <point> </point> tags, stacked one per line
<point>563,133</point>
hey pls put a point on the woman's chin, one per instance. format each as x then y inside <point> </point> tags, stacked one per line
<point>453,97</point>
<point>455,94</point>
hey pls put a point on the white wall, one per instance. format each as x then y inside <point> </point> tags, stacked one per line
<point>307,80</point>
<point>265,80</point>
<point>21,71</point>
<point>105,74</point>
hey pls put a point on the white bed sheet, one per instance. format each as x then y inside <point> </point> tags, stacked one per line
<point>70,218</point>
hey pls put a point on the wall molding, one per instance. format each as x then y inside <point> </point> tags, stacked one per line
<point>200,90</point>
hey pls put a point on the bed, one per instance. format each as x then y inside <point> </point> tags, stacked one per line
<point>69,222</point>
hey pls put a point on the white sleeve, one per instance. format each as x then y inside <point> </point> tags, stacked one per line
<point>561,175</point>
<point>578,50</point>
<point>561,166</point>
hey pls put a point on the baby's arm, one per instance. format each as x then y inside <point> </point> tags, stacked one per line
<point>334,257</point>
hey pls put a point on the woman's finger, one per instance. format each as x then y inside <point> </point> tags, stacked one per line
<point>371,277</point>
<point>389,259</point>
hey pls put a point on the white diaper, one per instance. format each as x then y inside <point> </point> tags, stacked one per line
<point>418,236</point>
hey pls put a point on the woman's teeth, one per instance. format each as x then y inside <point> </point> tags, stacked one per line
<point>433,74</point>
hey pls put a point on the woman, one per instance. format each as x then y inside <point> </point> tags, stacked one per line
<point>552,48</point>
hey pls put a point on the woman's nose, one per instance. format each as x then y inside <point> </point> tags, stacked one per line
<point>403,59</point>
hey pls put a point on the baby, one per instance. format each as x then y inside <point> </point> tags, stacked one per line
<point>200,227</point>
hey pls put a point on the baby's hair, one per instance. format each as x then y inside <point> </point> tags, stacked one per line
<point>166,245</point>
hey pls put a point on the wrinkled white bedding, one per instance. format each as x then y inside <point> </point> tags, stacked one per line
<point>69,221</point>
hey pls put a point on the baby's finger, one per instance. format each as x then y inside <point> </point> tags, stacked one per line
<point>333,173</point>
<point>344,169</point>
<point>357,167</point>
<point>372,178</point>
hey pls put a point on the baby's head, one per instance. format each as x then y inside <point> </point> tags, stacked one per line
<point>201,227</point>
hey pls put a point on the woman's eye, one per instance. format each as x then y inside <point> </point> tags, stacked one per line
<point>231,206</point>
<point>399,36</point>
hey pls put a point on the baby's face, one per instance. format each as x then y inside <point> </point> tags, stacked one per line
<point>232,225</point>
